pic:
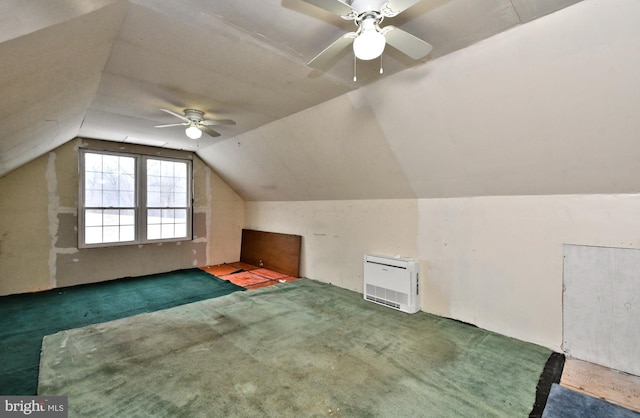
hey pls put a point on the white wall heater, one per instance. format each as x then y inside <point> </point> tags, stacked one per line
<point>392,282</point>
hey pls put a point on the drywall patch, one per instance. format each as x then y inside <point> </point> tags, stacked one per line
<point>53,205</point>
<point>97,265</point>
<point>209,197</point>
<point>67,230</point>
<point>199,225</point>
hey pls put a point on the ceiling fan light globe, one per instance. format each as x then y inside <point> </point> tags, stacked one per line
<point>193,132</point>
<point>369,45</point>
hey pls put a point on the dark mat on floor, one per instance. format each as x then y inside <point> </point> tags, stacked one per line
<point>567,403</point>
<point>551,374</point>
<point>25,319</point>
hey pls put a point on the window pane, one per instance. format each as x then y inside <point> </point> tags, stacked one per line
<point>167,216</point>
<point>180,199</point>
<point>127,199</point>
<point>93,234</point>
<point>153,232</point>
<point>166,168</point>
<point>127,233</point>
<point>111,234</point>
<point>167,231</point>
<point>180,185</point>
<point>111,217</point>
<point>181,231</point>
<point>128,217</point>
<point>181,216</point>
<point>154,183</point>
<point>93,217</point>
<point>93,198</point>
<point>154,216</point>
<point>110,199</point>
<point>153,167</point>
<point>127,182</point>
<point>154,199</point>
<point>127,166</point>
<point>93,162</point>
<point>93,180</point>
<point>180,170</point>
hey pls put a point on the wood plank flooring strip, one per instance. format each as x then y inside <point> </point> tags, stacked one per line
<point>602,382</point>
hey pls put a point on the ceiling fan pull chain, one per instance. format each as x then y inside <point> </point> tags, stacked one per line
<point>381,70</point>
<point>354,68</point>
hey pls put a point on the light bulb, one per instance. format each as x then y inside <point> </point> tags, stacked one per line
<point>370,43</point>
<point>193,132</point>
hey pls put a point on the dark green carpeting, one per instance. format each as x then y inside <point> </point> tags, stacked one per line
<point>298,349</point>
<point>25,319</point>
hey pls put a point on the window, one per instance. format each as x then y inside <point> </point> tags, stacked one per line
<point>133,199</point>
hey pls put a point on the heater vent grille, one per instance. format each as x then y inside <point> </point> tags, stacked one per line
<point>392,281</point>
<point>387,294</point>
<point>383,301</point>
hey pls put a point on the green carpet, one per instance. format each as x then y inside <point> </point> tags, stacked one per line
<point>297,349</point>
<point>25,319</point>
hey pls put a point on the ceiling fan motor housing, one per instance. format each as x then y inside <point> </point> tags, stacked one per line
<point>367,5</point>
<point>194,115</point>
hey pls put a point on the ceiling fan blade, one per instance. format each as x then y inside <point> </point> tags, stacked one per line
<point>334,6</point>
<point>397,6</point>
<point>332,50</point>
<point>214,122</point>
<point>176,115</point>
<point>171,124</point>
<point>406,43</point>
<point>208,130</point>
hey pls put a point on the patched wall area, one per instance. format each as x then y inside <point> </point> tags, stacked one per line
<point>24,234</point>
<point>39,227</point>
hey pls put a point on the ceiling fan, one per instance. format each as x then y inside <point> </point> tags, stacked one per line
<point>196,123</point>
<point>370,39</point>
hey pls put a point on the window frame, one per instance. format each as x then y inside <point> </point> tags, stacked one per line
<point>140,205</point>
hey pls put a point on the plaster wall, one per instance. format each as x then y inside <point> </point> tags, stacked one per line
<point>24,229</point>
<point>496,262</point>
<point>337,234</point>
<point>38,226</point>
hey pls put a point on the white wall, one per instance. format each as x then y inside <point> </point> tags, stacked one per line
<point>497,261</point>
<point>337,234</point>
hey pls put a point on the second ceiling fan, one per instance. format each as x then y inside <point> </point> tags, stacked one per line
<point>370,39</point>
<point>195,122</point>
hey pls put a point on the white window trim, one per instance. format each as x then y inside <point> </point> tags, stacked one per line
<point>140,208</point>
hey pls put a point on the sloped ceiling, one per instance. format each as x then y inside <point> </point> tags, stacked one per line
<point>103,69</point>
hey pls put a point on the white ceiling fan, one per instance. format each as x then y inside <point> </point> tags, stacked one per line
<point>196,123</point>
<point>370,39</point>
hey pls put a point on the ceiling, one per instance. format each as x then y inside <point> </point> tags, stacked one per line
<point>103,68</point>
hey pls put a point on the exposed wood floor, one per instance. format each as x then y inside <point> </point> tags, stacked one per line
<point>601,382</point>
<point>247,275</point>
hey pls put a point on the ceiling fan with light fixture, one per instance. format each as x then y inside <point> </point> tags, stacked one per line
<point>370,39</point>
<point>196,123</point>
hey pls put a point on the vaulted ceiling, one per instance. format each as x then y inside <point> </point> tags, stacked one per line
<point>517,96</point>
<point>103,68</point>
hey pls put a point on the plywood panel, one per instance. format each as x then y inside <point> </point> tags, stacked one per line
<point>271,250</point>
<point>601,306</point>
